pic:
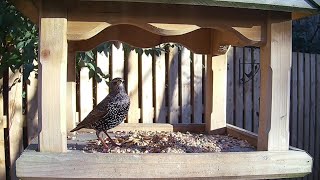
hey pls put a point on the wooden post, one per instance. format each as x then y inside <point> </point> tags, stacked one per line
<point>71,90</point>
<point>16,121</point>
<point>52,78</point>
<point>275,87</point>
<point>217,118</point>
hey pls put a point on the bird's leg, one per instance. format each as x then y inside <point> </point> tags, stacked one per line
<point>102,141</point>
<point>112,142</point>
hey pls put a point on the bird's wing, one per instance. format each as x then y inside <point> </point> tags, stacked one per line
<point>96,114</point>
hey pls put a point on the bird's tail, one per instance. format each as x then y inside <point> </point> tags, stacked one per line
<point>76,128</point>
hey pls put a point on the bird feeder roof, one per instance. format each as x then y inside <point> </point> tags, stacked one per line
<point>274,5</point>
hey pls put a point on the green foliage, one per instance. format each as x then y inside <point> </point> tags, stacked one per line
<point>18,41</point>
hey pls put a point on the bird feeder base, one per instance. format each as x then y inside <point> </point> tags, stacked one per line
<point>76,164</point>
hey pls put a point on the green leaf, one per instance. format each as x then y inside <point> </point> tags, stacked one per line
<point>90,54</point>
<point>91,66</point>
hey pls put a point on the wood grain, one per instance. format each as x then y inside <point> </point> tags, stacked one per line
<point>247,88</point>
<point>230,86</point>
<point>219,92</point>
<point>160,88</point>
<point>132,84</point>
<point>256,90</point>
<point>197,102</point>
<point>275,88</point>
<point>233,165</point>
<point>147,93</point>
<point>294,101</point>
<point>173,99</point>
<point>185,86</point>
<point>238,85</point>
<point>53,85</point>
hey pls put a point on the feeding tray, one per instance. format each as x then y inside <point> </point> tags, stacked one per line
<point>80,163</point>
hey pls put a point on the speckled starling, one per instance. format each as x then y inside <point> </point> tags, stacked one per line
<point>109,113</point>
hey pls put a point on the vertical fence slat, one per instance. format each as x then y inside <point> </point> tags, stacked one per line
<point>71,91</point>
<point>102,87</point>
<point>312,108</point>
<point>133,88</point>
<point>173,85</point>
<point>294,100</point>
<point>185,86</point>
<point>238,88</point>
<point>247,75</point>
<point>306,114</point>
<point>317,138</point>
<point>160,88</point>
<point>15,121</point>
<point>2,144</point>
<point>86,96</point>
<point>197,104</point>
<point>256,90</point>
<point>300,99</point>
<point>32,111</point>
<point>230,85</point>
<point>117,62</point>
<point>147,106</point>
<point>317,117</point>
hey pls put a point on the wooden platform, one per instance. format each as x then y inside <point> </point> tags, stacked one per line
<point>224,165</point>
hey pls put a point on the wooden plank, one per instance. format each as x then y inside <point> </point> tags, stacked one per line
<point>52,82</point>
<point>143,127</point>
<point>243,134</point>
<point>71,90</point>
<point>160,88</point>
<point>16,121</point>
<point>146,104</point>
<point>306,111</point>
<point>193,128</point>
<point>132,84</point>
<point>197,103</point>
<point>317,138</point>
<point>219,93</point>
<point>256,90</point>
<point>102,87</point>
<point>117,62</point>
<point>208,85</point>
<point>247,90</point>
<point>312,130</point>
<point>185,86</point>
<point>173,99</point>
<point>275,87</point>
<point>238,87</point>
<point>230,86</point>
<point>294,100</point>
<point>32,107</point>
<point>234,165</point>
<point>2,138</point>
<point>136,127</point>
<point>300,99</point>
<point>86,93</point>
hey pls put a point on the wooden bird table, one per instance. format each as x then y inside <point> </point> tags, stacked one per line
<point>205,27</point>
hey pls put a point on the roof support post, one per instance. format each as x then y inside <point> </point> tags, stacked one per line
<point>275,87</point>
<point>52,78</point>
<point>216,89</point>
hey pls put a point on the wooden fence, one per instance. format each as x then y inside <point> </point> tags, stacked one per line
<point>169,89</point>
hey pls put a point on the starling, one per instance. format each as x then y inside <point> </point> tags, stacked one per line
<point>109,113</point>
